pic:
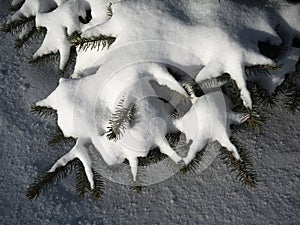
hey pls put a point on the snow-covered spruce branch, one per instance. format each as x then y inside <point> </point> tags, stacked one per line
<point>249,53</point>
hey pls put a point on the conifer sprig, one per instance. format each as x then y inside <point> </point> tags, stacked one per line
<point>243,168</point>
<point>42,183</point>
<point>97,192</point>
<point>120,120</point>
<point>154,156</point>
<point>194,164</point>
<point>58,138</point>
<point>109,10</point>
<point>261,69</point>
<point>31,36</point>
<point>43,111</point>
<point>82,183</point>
<point>70,65</point>
<point>19,25</point>
<point>99,42</point>
<point>293,100</point>
<point>180,102</point>
<point>45,59</point>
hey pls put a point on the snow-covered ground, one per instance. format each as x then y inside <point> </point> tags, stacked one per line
<point>211,197</point>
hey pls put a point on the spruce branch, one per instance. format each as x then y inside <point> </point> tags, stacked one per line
<point>243,168</point>
<point>84,44</point>
<point>154,156</point>
<point>293,100</point>
<point>260,96</point>
<point>194,164</point>
<point>180,102</point>
<point>97,192</point>
<point>45,59</point>
<point>82,183</point>
<point>290,87</point>
<point>43,182</point>
<point>43,111</point>
<point>19,25</point>
<point>70,65</point>
<point>261,69</point>
<point>120,120</point>
<point>138,189</point>
<point>109,10</point>
<point>31,36</point>
<point>58,138</point>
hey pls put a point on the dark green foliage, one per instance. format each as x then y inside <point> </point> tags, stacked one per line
<point>291,90</point>
<point>120,120</point>
<point>70,65</point>
<point>43,182</point>
<point>97,192</point>
<point>31,36</point>
<point>194,164</point>
<point>180,102</point>
<point>90,43</point>
<point>58,138</point>
<point>259,70</point>
<point>109,10</point>
<point>43,111</point>
<point>154,156</point>
<point>293,100</point>
<point>55,58</point>
<point>137,189</point>
<point>46,58</point>
<point>260,96</point>
<point>254,122</point>
<point>16,7</point>
<point>244,169</point>
<point>82,183</point>
<point>19,25</point>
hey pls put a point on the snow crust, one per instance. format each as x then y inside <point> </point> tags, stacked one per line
<point>223,36</point>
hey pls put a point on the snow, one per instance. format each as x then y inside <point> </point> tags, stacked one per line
<point>199,198</point>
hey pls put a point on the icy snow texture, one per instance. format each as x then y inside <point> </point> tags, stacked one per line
<point>224,36</point>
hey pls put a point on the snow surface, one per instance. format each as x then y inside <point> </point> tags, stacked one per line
<point>212,197</point>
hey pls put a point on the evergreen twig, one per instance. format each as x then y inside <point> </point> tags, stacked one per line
<point>261,69</point>
<point>138,189</point>
<point>70,65</point>
<point>109,10</point>
<point>58,138</point>
<point>43,111</point>
<point>82,183</point>
<point>194,164</point>
<point>19,25</point>
<point>84,44</point>
<point>97,192</point>
<point>32,35</point>
<point>120,120</point>
<point>180,102</point>
<point>42,182</point>
<point>46,58</point>
<point>246,174</point>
